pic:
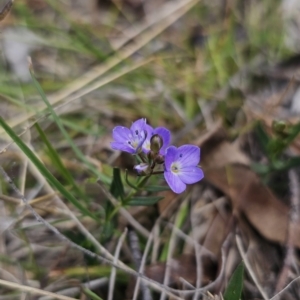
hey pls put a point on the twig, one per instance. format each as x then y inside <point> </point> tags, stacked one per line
<point>248,267</point>
<point>6,9</point>
<point>198,253</point>
<point>294,217</point>
<point>277,296</point>
<point>171,249</point>
<point>139,262</point>
<point>114,271</point>
<point>17,286</point>
<point>93,284</point>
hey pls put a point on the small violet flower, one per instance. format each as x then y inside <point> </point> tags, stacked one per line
<point>181,167</point>
<point>130,140</point>
<point>138,137</point>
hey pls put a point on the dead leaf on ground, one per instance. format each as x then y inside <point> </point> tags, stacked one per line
<point>226,167</point>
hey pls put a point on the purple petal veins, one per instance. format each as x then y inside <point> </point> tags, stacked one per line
<point>130,140</point>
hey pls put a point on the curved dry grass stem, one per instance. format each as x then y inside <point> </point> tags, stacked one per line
<point>114,271</point>
<point>291,234</point>
<point>171,250</point>
<point>32,290</point>
<point>142,266</point>
<point>248,267</point>
<point>278,295</point>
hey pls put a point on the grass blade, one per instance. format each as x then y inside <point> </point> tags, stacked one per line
<point>144,201</point>
<point>235,285</point>
<point>61,127</point>
<point>44,171</point>
<point>55,158</point>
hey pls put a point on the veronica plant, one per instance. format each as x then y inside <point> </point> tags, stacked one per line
<point>156,156</point>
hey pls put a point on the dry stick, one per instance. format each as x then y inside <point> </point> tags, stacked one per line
<point>6,9</point>
<point>136,254</point>
<point>248,267</point>
<point>294,218</point>
<point>114,271</point>
<point>93,284</point>
<point>17,286</point>
<point>277,296</point>
<point>156,243</point>
<point>131,220</point>
<point>124,53</point>
<point>159,14</point>
<point>190,240</point>
<point>141,269</point>
<point>198,253</point>
<point>171,249</point>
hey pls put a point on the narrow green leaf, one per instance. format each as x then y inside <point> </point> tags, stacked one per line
<point>91,294</point>
<point>79,127</point>
<point>44,171</point>
<point>58,122</point>
<point>156,188</point>
<point>116,187</point>
<point>143,201</point>
<point>235,285</point>
<point>291,162</point>
<point>263,137</point>
<point>55,158</point>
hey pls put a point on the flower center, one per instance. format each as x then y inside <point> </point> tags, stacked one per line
<point>175,168</point>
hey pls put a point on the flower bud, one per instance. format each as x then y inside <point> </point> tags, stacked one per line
<point>142,169</point>
<point>156,142</point>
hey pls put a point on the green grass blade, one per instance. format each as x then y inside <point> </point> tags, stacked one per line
<point>61,127</point>
<point>55,158</point>
<point>116,187</point>
<point>156,188</point>
<point>143,201</point>
<point>44,171</point>
<point>235,285</point>
<point>91,294</point>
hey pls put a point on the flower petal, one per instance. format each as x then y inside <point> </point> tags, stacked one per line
<point>146,144</point>
<point>141,167</point>
<point>166,137</point>
<point>174,182</point>
<point>138,127</point>
<point>121,134</point>
<point>190,175</point>
<point>188,155</point>
<point>171,153</point>
<point>122,147</point>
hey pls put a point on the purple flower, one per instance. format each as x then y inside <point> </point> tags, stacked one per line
<point>130,140</point>
<point>163,133</point>
<point>181,167</point>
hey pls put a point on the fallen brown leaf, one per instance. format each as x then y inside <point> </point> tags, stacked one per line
<point>227,168</point>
